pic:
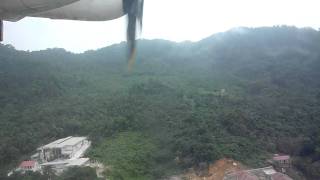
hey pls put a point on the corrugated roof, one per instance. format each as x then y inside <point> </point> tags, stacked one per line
<point>72,141</point>
<point>283,157</point>
<point>68,141</point>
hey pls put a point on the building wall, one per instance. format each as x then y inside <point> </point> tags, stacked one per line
<point>66,152</point>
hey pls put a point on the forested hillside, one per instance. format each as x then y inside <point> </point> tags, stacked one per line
<point>243,94</point>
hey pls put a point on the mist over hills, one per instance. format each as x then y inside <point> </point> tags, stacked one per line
<point>244,94</point>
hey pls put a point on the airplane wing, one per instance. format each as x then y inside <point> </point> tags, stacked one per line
<point>84,10</point>
<point>14,10</point>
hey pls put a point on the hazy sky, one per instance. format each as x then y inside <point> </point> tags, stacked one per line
<point>176,20</point>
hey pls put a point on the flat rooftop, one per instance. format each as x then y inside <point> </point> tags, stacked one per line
<point>281,157</point>
<point>68,141</point>
<point>68,162</point>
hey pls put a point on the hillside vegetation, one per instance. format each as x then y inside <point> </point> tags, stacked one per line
<point>241,94</point>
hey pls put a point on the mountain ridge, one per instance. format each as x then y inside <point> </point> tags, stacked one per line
<point>270,103</point>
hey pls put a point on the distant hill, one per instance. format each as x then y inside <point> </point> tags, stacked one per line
<point>241,94</point>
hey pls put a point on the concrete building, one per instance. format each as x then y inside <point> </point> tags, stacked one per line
<point>59,166</point>
<point>58,155</point>
<point>65,148</point>
<point>282,161</point>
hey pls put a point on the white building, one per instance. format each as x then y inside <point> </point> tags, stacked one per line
<point>58,155</point>
<point>59,166</point>
<point>65,148</point>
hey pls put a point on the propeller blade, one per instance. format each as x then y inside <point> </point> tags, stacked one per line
<point>134,10</point>
<point>1,30</point>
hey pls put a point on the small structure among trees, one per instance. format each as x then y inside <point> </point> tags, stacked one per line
<point>29,166</point>
<point>281,162</point>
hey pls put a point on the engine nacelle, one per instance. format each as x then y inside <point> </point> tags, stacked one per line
<point>14,10</point>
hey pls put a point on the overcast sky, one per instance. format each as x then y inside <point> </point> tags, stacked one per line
<point>176,20</point>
